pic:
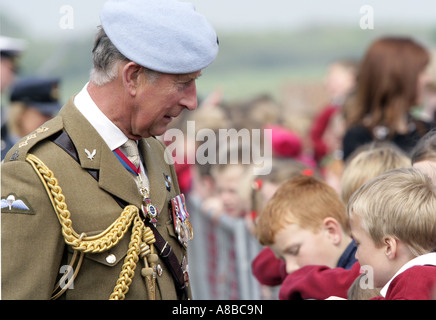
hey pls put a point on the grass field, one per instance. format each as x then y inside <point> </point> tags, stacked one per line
<point>248,64</point>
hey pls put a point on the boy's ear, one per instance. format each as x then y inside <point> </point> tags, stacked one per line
<point>333,229</point>
<point>390,245</point>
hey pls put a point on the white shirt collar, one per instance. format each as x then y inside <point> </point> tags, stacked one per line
<point>425,259</point>
<point>110,133</point>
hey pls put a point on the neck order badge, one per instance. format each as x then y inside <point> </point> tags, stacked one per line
<point>147,207</point>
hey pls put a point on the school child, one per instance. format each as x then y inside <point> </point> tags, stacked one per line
<point>321,282</point>
<point>423,156</point>
<point>370,161</point>
<point>304,223</point>
<point>399,250</point>
<point>266,267</point>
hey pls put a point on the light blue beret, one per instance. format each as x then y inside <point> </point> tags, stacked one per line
<point>168,36</point>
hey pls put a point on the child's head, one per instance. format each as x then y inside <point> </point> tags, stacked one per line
<point>360,290</point>
<point>424,155</point>
<point>304,223</point>
<point>392,220</point>
<point>341,78</point>
<point>282,169</point>
<point>233,187</point>
<point>368,162</point>
<point>425,149</point>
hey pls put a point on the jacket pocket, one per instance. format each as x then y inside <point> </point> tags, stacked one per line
<point>112,256</point>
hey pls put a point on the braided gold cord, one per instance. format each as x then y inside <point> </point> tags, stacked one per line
<point>129,266</point>
<point>103,241</point>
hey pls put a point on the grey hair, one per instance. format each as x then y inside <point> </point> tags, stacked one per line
<point>107,58</point>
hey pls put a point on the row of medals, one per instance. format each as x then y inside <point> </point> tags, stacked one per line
<point>182,226</point>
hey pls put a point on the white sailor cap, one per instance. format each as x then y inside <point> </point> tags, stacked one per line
<point>11,46</point>
<point>168,36</point>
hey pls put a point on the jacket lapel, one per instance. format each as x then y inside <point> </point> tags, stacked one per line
<point>158,191</point>
<point>94,154</point>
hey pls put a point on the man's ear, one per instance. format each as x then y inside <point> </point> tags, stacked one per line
<point>130,75</point>
<point>333,230</point>
<point>391,248</point>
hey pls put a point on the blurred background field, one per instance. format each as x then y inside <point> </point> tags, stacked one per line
<point>260,52</point>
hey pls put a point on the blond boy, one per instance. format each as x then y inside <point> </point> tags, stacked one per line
<point>393,221</point>
<point>305,223</point>
<point>368,162</point>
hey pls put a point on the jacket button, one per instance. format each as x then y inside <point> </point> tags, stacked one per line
<point>111,259</point>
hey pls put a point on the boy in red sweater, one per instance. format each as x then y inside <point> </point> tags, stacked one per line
<point>393,221</point>
<point>305,223</point>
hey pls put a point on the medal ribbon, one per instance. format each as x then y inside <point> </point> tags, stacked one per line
<point>126,162</point>
<point>183,213</point>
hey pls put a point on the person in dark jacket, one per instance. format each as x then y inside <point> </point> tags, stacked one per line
<point>391,78</point>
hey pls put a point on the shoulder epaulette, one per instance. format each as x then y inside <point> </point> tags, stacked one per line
<point>22,147</point>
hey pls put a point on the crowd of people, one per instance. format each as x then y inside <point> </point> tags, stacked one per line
<point>377,120</point>
<point>356,189</point>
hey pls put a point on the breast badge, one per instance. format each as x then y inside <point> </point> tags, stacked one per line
<point>12,204</point>
<point>150,210</point>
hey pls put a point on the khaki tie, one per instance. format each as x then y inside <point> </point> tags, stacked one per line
<point>132,153</point>
<point>131,150</point>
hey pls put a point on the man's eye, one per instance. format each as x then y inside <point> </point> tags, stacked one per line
<point>184,84</point>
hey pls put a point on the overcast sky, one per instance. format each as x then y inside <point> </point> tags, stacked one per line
<point>42,17</point>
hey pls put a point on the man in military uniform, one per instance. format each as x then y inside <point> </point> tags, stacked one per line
<point>86,214</point>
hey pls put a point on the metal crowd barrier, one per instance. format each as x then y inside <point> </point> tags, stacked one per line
<point>220,256</point>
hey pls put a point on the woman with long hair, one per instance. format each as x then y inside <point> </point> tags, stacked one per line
<point>391,78</point>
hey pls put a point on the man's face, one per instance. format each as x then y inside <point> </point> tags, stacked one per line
<point>158,102</point>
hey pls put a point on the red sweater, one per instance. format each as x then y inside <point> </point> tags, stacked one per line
<point>268,269</point>
<point>321,282</point>
<point>415,283</point>
<point>318,282</point>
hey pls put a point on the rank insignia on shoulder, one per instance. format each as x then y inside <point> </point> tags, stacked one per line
<point>32,135</point>
<point>41,129</point>
<point>24,142</point>
<point>11,204</point>
<point>14,156</point>
<point>180,217</point>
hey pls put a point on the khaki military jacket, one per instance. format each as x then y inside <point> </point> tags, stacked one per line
<point>33,250</point>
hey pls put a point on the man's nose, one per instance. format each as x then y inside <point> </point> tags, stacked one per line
<point>189,100</point>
